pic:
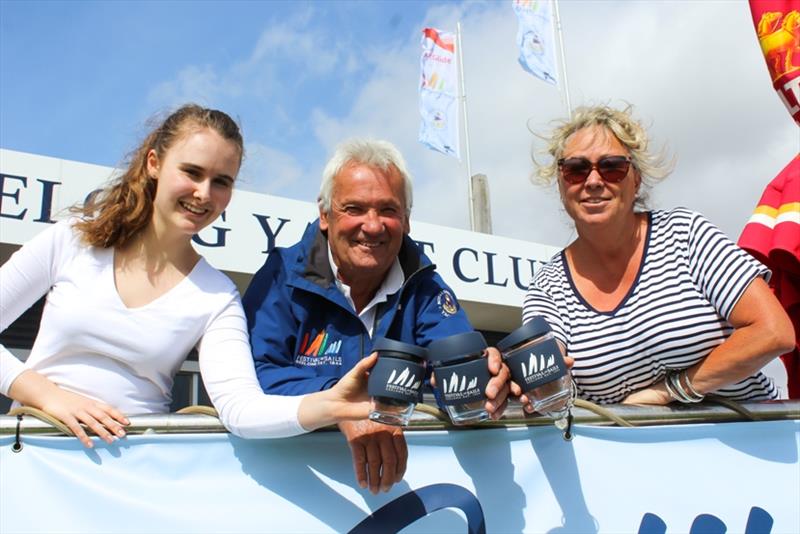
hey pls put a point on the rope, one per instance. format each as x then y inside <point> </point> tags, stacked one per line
<point>580,403</point>
<point>587,405</point>
<point>733,405</point>
<point>434,411</point>
<point>198,410</point>
<point>599,410</point>
<point>42,416</point>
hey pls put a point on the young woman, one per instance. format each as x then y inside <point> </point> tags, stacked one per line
<point>128,297</point>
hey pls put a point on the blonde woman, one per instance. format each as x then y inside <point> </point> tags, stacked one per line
<point>654,306</point>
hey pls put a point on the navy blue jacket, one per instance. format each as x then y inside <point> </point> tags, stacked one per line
<point>305,334</point>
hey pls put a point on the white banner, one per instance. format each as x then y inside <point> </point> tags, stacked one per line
<point>438,92</point>
<point>535,38</point>
<point>710,478</point>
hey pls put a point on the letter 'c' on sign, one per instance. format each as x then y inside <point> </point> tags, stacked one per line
<point>457,264</point>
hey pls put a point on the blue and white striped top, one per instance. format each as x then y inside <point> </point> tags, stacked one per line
<point>674,315</point>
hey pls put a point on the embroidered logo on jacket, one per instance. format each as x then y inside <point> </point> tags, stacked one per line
<point>447,303</point>
<point>319,350</point>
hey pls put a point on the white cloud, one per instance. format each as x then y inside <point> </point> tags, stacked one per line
<point>268,170</point>
<point>199,84</point>
<point>296,42</point>
<point>286,54</point>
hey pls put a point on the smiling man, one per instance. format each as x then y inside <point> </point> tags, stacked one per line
<point>314,308</point>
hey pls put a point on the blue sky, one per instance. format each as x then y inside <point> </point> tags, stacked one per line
<point>88,74</point>
<point>78,80</point>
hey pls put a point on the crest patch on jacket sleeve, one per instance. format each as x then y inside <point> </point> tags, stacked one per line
<point>447,303</point>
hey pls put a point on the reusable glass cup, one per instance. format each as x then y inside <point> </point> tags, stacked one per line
<point>534,358</point>
<point>395,382</point>
<point>462,373</point>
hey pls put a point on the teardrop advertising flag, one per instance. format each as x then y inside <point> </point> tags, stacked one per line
<point>438,92</point>
<point>536,39</point>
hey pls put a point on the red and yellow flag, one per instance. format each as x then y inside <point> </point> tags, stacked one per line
<point>777,25</point>
<point>773,232</point>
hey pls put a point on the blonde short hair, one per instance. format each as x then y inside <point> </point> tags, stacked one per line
<point>652,167</point>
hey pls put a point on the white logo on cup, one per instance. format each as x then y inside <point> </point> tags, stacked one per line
<point>452,385</point>
<point>539,367</point>
<point>396,380</point>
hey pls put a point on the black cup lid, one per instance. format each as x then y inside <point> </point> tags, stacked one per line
<point>398,347</point>
<point>454,347</point>
<point>536,327</point>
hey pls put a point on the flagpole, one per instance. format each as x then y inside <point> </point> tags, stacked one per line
<point>463,99</point>
<point>557,20</point>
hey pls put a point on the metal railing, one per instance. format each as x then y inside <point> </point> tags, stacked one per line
<point>427,418</point>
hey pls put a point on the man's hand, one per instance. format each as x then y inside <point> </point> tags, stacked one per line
<point>499,385</point>
<point>379,453</point>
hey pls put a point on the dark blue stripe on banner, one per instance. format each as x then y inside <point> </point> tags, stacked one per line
<point>652,524</point>
<point>708,524</point>
<point>759,521</point>
<point>406,509</point>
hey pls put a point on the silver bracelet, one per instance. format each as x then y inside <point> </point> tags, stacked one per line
<point>690,387</point>
<point>672,382</point>
<point>675,377</point>
<point>667,385</point>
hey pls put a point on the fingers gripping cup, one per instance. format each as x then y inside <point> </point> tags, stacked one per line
<point>395,382</point>
<point>534,358</point>
<point>462,373</point>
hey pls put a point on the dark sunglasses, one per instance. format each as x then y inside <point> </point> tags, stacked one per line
<point>612,169</point>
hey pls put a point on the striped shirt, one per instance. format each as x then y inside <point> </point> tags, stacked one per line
<point>675,313</point>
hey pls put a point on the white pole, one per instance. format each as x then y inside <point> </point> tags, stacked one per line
<point>557,19</point>
<point>463,99</point>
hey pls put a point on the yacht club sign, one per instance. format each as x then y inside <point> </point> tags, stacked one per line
<point>36,190</point>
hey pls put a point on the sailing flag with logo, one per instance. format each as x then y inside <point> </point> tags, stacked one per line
<point>438,92</point>
<point>536,39</point>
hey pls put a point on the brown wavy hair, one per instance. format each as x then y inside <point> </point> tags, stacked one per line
<point>113,216</point>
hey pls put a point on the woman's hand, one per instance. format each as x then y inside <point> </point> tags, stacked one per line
<point>351,391</point>
<point>656,394</point>
<point>346,401</point>
<point>73,410</point>
<point>33,389</point>
<point>526,403</point>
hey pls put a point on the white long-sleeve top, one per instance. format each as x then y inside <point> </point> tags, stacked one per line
<point>90,343</point>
